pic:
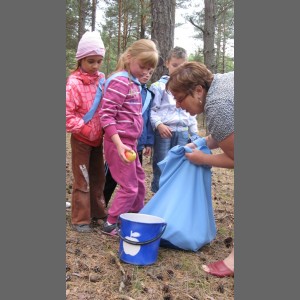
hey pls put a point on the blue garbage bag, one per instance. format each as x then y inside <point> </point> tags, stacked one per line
<point>184,201</point>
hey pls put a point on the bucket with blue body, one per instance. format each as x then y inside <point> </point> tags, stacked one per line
<point>140,238</point>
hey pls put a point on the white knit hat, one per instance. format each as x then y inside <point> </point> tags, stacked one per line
<point>90,44</point>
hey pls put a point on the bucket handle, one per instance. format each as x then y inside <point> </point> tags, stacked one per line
<point>145,242</point>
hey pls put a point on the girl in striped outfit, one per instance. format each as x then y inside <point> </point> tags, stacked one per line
<point>122,121</point>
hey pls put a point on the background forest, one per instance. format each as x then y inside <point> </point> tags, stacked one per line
<point>124,21</point>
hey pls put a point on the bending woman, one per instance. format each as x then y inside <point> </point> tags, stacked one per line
<point>197,90</point>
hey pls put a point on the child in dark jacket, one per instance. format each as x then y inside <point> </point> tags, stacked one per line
<point>145,142</point>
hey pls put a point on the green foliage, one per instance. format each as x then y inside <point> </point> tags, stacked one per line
<point>132,14</point>
<point>224,32</point>
<point>197,56</point>
<point>229,64</point>
<point>70,61</point>
<point>71,34</point>
<point>71,24</point>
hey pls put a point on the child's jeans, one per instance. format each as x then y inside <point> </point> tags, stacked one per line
<point>160,151</point>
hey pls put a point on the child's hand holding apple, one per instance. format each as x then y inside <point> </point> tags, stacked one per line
<point>130,155</point>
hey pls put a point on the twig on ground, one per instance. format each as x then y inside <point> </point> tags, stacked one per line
<point>122,283</point>
<point>191,297</point>
<point>124,297</point>
<point>117,262</point>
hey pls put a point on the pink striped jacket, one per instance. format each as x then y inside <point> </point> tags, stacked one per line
<point>121,110</point>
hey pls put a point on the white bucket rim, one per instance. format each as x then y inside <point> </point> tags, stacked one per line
<point>142,218</point>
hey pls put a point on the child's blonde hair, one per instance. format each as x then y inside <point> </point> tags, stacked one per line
<point>143,50</point>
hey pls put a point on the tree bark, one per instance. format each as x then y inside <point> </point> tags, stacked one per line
<point>82,18</point>
<point>162,31</point>
<point>119,26</point>
<point>143,18</point>
<point>224,42</point>
<point>94,8</point>
<point>209,34</point>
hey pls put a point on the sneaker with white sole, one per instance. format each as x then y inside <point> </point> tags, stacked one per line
<point>110,229</point>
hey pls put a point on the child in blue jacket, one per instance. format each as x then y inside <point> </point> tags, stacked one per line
<point>146,140</point>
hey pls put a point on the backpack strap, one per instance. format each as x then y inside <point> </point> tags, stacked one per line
<point>147,101</point>
<point>89,115</point>
<point>124,74</point>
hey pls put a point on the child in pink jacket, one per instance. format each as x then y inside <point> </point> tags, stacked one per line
<point>82,120</point>
<point>122,121</point>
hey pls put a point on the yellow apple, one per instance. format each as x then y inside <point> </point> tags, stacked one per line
<point>130,155</point>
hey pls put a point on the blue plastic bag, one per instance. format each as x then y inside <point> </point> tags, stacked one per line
<point>184,201</point>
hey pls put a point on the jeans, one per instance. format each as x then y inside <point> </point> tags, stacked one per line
<point>160,151</point>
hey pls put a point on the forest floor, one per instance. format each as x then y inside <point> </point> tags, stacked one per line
<point>95,272</point>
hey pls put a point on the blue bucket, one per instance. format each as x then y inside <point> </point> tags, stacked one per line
<point>140,238</point>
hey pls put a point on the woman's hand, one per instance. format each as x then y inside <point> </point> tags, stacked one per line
<point>191,145</point>
<point>221,160</point>
<point>196,157</point>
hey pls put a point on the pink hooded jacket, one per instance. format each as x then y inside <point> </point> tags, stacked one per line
<point>81,89</point>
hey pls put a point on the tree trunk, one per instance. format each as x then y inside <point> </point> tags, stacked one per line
<point>82,18</point>
<point>143,18</point>
<point>209,34</point>
<point>94,8</point>
<point>119,26</point>
<point>218,45</point>
<point>162,31</point>
<point>125,30</point>
<point>224,41</point>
